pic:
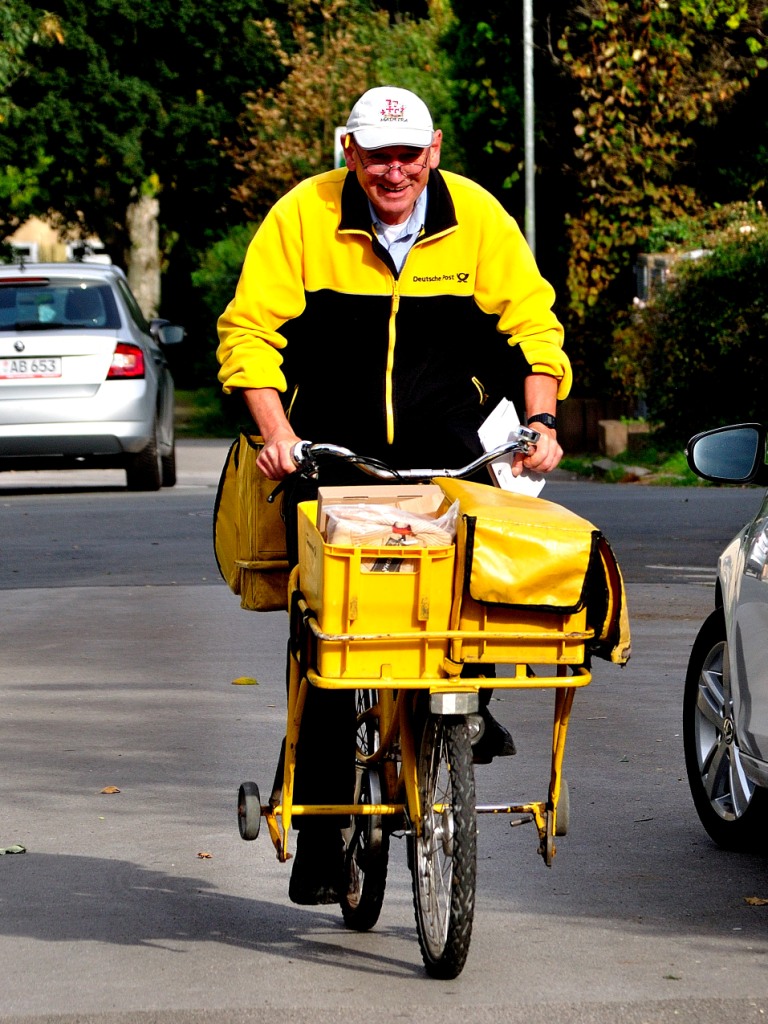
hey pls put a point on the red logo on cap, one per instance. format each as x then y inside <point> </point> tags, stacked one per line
<point>393,111</point>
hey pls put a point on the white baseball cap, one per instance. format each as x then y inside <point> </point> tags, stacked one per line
<point>389,116</point>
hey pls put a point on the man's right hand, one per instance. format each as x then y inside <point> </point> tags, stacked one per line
<point>275,460</point>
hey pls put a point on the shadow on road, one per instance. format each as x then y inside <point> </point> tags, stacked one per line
<point>61,898</point>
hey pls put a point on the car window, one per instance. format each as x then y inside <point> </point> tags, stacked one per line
<point>60,304</point>
<point>133,306</point>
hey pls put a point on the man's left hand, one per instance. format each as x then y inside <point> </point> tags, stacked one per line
<point>546,455</point>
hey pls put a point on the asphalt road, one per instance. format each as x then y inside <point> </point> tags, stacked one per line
<point>119,647</point>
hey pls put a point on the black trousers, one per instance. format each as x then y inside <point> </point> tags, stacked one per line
<point>325,755</point>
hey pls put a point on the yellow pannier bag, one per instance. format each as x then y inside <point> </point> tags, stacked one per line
<point>249,532</point>
<point>531,567</point>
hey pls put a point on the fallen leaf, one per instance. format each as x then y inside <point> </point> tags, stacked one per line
<point>205,856</point>
<point>110,789</point>
<point>14,848</point>
<point>756,901</point>
<point>245,681</point>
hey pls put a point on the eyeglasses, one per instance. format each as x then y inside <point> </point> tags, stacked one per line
<point>377,170</point>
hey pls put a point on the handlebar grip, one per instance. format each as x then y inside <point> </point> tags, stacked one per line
<point>299,452</point>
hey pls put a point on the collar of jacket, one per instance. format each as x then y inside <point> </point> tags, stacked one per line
<point>355,215</point>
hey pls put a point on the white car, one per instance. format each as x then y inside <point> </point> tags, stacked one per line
<point>725,704</point>
<point>84,380</point>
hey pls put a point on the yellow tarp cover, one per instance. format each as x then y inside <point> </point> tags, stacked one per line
<point>533,554</point>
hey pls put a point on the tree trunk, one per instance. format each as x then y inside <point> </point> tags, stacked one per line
<point>144,254</point>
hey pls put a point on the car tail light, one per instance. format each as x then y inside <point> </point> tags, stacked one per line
<point>128,361</point>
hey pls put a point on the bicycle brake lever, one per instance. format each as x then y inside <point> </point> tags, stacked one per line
<point>273,494</point>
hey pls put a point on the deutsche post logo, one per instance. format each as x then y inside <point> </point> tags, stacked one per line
<point>460,278</point>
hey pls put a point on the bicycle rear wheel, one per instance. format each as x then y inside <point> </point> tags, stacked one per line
<point>444,857</point>
<point>366,855</point>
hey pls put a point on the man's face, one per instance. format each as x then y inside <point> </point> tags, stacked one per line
<point>394,193</point>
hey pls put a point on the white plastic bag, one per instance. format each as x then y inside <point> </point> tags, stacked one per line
<point>387,526</point>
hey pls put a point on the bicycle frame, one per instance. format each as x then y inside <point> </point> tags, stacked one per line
<point>398,624</point>
<point>397,734</point>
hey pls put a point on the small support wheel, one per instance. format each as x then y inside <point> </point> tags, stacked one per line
<point>563,809</point>
<point>248,810</point>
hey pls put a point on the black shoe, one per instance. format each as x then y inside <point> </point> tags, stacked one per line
<point>493,740</point>
<point>318,867</point>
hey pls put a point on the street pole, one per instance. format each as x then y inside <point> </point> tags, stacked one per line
<point>530,185</point>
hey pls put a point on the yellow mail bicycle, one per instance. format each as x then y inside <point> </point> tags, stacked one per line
<point>525,583</point>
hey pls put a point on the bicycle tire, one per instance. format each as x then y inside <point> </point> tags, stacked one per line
<point>444,857</point>
<point>366,853</point>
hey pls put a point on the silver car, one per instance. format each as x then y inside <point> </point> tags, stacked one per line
<point>725,704</point>
<point>84,380</point>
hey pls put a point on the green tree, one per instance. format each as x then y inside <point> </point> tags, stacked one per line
<point>628,95</point>
<point>414,52</point>
<point>646,72</point>
<point>698,354</point>
<point>118,123</point>
<point>649,75</point>
<point>286,131</point>
<point>20,27</point>
<point>127,108</point>
<point>485,43</point>
<point>331,52</point>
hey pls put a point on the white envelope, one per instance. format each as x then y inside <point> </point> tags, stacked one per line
<point>497,430</point>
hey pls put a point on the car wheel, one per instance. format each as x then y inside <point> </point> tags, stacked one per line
<point>143,471</point>
<point>732,808</point>
<point>168,467</point>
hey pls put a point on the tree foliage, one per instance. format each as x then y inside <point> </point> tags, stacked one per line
<point>287,131</point>
<point>628,95</point>
<point>129,103</point>
<point>698,354</point>
<point>636,126</point>
<point>647,71</point>
<point>20,27</point>
<point>331,52</point>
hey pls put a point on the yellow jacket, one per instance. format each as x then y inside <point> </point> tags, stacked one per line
<point>377,360</point>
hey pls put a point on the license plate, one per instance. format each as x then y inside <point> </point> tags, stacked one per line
<point>23,369</point>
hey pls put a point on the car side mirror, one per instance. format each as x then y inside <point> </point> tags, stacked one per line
<point>166,333</point>
<point>729,455</point>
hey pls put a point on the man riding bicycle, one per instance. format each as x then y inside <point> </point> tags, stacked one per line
<point>386,307</point>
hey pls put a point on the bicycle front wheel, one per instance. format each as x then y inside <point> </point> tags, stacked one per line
<point>444,856</point>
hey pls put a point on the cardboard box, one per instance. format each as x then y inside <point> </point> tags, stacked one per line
<point>423,499</point>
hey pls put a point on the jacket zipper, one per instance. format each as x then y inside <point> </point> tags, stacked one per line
<point>388,397</point>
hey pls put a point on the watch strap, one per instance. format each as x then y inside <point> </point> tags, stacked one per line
<point>544,417</point>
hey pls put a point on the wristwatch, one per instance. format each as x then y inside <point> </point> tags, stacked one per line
<point>544,417</point>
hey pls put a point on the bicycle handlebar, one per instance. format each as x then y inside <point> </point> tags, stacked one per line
<point>307,457</point>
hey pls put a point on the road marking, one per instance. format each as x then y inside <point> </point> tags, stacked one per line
<point>689,573</point>
<point>684,568</point>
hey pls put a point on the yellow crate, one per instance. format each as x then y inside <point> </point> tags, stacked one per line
<point>349,599</point>
<point>540,646</point>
